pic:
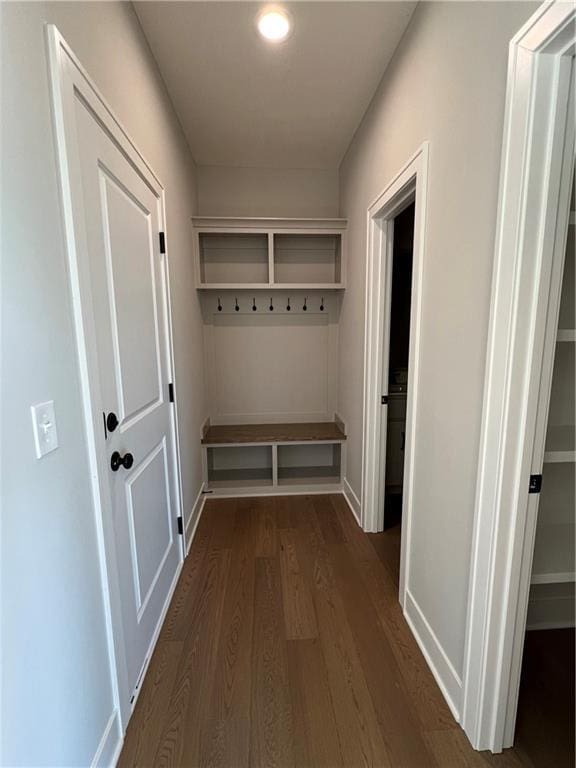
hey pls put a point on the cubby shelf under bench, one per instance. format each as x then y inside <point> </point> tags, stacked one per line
<point>256,459</point>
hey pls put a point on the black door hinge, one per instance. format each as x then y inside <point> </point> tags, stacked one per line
<point>384,400</point>
<point>171,392</point>
<point>162,239</point>
<point>180,526</point>
<point>535,485</point>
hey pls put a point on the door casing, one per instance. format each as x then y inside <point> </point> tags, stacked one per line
<point>68,77</point>
<point>534,187</point>
<point>408,185</point>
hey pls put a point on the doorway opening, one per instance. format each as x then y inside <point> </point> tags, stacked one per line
<point>396,228</point>
<point>397,374</point>
<point>522,564</point>
<point>546,695</point>
<point>395,377</point>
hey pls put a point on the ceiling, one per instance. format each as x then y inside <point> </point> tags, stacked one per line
<point>245,102</point>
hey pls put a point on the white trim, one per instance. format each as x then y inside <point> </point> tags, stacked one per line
<point>67,76</point>
<point>110,745</point>
<point>191,525</point>
<point>179,496</point>
<point>444,673</point>
<point>505,518</point>
<point>410,182</point>
<point>352,500</point>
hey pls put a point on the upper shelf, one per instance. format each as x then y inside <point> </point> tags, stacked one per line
<point>237,253</point>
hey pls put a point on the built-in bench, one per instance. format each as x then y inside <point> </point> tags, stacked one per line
<point>264,458</point>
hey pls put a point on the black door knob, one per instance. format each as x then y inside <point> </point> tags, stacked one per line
<point>111,421</point>
<point>117,461</point>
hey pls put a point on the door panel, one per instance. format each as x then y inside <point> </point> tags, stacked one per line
<point>148,503</point>
<point>130,251</point>
<point>123,216</point>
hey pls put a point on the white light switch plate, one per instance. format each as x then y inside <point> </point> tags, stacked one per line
<point>44,424</point>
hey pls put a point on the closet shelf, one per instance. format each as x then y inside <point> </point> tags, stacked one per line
<point>566,335</point>
<point>560,444</point>
<point>232,434</point>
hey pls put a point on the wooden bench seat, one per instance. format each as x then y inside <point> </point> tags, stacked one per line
<point>230,434</point>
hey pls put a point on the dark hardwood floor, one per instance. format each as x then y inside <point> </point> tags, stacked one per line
<point>285,646</point>
<point>545,721</point>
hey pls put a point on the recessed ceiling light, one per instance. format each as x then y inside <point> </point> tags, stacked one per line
<point>274,25</point>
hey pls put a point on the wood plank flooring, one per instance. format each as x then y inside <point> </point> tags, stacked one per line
<point>285,646</point>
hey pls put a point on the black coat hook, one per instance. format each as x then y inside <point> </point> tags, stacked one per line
<point>288,307</point>
<point>305,307</point>
<point>236,307</point>
<point>271,307</point>
<point>254,305</point>
<point>219,305</point>
<point>322,305</point>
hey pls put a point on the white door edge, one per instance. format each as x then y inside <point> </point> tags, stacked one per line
<point>66,75</point>
<point>538,69</point>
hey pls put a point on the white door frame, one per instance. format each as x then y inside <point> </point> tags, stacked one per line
<point>67,77</point>
<point>532,186</point>
<point>410,183</point>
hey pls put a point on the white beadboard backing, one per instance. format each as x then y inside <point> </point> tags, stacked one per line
<point>271,365</point>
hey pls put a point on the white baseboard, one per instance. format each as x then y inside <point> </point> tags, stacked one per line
<point>110,744</point>
<point>353,501</point>
<point>448,680</point>
<point>194,518</point>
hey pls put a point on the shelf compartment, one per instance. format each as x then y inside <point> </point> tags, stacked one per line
<point>551,605</point>
<point>554,550</point>
<point>560,435</point>
<point>233,258</point>
<point>554,555</point>
<point>557,498</point>
<point>567,316</point>
<point>309,464</point>
<point>560,444</point>
<point>239,466</point>
<point>308,259</point>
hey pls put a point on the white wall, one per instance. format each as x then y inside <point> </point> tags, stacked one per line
<point>264,366</point>
<point>56,689</point>
<point>229,191</point>
<point>445,84</point>
<point>268,386</point>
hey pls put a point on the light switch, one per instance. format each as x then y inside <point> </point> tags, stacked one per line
<point>44,423</point>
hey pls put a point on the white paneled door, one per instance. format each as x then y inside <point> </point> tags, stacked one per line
<point>122,216</point>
